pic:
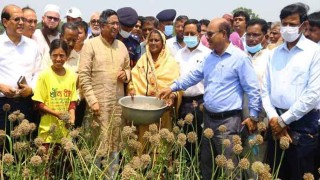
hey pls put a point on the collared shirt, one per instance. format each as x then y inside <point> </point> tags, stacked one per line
<point>292,80</point>
<point>143,47</point>
<point>244,41</point>
<point>188,60</point>
<point>259,63</point>
<point>73,61</point>
<point>173,45</point>
<point>18,60</point>
<point>226,77</point>
<point>42,43</point>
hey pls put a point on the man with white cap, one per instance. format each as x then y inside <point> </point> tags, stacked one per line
<point>49,31</point>
<point>73,15</point>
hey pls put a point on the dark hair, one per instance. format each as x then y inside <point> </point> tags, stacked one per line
<point>59,43</point>
<point>68,25</point>
<point>225,26</point>
<point>204,22</point>
<point>261,22</point>
<point>182,18</point>
<point>243,14</point>
<point>300,8</point>
<point>28,8</point>
<point>151,19</point>
<point>83,25</point>
<point>314,19</point>
<point>105,15</point>
<point>141,19</point>
<point>5,14</point>
<point>195,22</point>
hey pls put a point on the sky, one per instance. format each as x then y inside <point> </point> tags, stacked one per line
<point>198,9</point>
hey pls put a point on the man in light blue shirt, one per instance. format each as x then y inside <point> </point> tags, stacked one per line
<point>291,94</point>
<point>227,73</point>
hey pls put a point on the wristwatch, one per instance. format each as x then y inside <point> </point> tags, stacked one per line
<point>281,122</point>
<point>253,118</point>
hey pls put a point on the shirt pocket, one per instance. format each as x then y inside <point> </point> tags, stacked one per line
<point>299,76</point>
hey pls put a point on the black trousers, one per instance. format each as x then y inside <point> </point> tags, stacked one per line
<point>186,107</point>
<point>299,158</point>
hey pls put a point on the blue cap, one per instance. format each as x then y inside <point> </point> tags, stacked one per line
<point>127,16</point>
<point>167,15</point>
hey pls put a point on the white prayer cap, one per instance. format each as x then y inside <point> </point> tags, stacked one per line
<point>52,8</point>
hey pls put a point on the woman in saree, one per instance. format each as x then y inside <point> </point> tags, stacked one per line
<point>155,70</point>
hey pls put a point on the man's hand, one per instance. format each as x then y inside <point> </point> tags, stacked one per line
<point>275,126</point>
<point>164,93</point>
<point>95,109</point>
<point>7,90</point>
<point>284,132</point>
<point>122,76</point>
<point>25,90</point>
<point>251,124</point>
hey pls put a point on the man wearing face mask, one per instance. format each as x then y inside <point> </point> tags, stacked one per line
<point>291,94</point>
<point>188,58</point>
<point>255,32</point>
<point>166,18</point>
<point>128,18</point>
<point>176,42</point>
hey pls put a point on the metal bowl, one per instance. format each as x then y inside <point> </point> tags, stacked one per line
<point>142,109</point>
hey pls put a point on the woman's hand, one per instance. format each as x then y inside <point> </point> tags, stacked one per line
<point>171,100</point>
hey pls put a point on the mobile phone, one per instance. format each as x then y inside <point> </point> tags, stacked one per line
<point>244,132</point>
<point>22,80</point>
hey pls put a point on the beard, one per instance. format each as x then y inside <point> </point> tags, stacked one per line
<point>50,31</point>
<point>95,32</point>
<point>179,38</point>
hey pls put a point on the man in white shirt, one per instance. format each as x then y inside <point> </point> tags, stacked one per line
<point>19,56</point>
<point>188,58</point>
<point>176,42</point>
<point>30,22</point>
<point>291,94</point>
<point>313,30</point>
<point>49,31</point>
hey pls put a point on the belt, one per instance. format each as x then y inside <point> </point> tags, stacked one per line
<point>191,99</point>
<point>224,114</point>
<point>281,111</point>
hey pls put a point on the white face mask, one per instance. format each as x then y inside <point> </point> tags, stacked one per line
<point>124,33</point>
<point>289,33</point>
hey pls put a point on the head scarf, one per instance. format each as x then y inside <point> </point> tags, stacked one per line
<point>148,77</point>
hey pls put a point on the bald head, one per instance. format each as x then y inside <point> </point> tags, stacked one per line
<point>220,24</point>
<point>7,11</point>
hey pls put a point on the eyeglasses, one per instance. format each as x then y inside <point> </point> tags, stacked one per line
<point>210,34</point>
<point>30,21</point>
<point>95,21</point>
<point>18,19</point>
<point>55,19</point>
<point>253,35</point>
<point>113,23</point>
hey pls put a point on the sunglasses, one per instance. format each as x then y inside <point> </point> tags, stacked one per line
<point>30,21</point>
<point>18,19</point>
<point>53,18</point>
<point>94,21</point>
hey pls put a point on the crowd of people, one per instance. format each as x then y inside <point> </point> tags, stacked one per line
<point>242,70</point>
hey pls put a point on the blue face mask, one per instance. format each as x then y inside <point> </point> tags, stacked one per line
<point>254,49</point>
<point>191,41</point>
<point>168,30</point>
